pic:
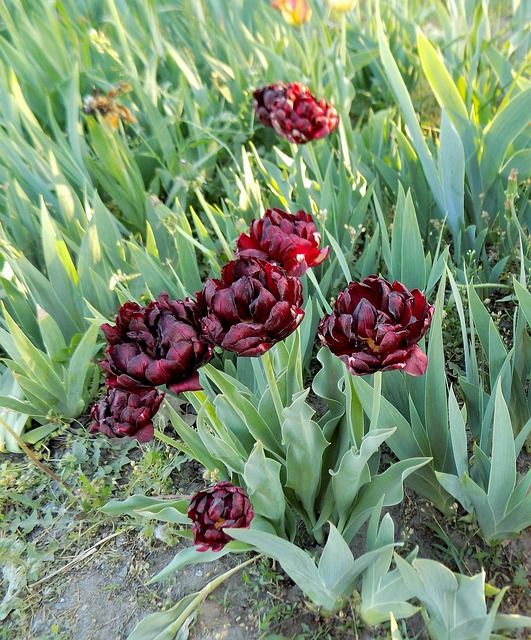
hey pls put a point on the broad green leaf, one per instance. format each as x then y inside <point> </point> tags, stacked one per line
<point>161,625</point>
<point>387,485</point>
<point>295,562</point>
<point>452,172</point>
<point>448,97</point>
<point>524,299</point>
<point>501,131</point>
<point>353,471</point>
<point>488,335</point>
<point>335,561</point>
<point>305,444</point>
<point>457,434</point>
<point>257,426</point>
<point>502,477</point>
<point>137,503</point>
<point>262,477</point>
<point>407,250</point>
<point>191,438</point>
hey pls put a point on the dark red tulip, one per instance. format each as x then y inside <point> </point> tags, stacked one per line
<point>252,306</point>
<point>157,344</point>
<point>215,510</point>
<point>126,413</point>
<point>291,240</point>
<point>375,326</point>
<point>293,112</point>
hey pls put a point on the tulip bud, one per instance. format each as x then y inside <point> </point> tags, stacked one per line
<point>157,344</point>
<point>294,12</point>
<point>126,413</point>
<point>251,307</point>
<point>294,113</point>
<point>341,5</point>
<point>375,326</point>
<point>215,510</point>
<point>290,240</point>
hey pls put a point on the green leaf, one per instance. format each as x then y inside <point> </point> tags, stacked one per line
<point>137,503</point>
<point>161,625</point>
<point>400,90</point>
<point>387,485</point>
<point>257,426</point>
<point>448,97</point>
<point>488,335</point>
<point>336,561</point>
<point>191,438</point>
<point>512,118</point>
<point>295,562</point>
<point>452,172</point>
<point>502,477</point>
<point>305,444</point>
<point>524,299</point>
<point>353,471</point>
<point>262,477</point>
<point>435,391</point>
<point>407,249</point>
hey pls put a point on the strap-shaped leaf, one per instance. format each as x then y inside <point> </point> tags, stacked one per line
<point>512,118</point>
<point>449,99</point>
<point>502,477</point>
<point>400,90</point>
<point>407,249</point>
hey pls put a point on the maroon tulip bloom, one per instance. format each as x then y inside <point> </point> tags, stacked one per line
<point>157,344</point>
<point>215,510</point>
<point>291,240</point>
<point>251,307</point>
<point>375,326</point>
<point>126,413</point>
<point>293,112</point>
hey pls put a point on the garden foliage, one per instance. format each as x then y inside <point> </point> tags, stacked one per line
<point>297,221</point>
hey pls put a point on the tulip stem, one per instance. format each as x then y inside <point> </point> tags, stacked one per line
<point>313,280</point>
<point>343,49</point>
<point>376,397</point>
<point>315,164</point>
<point>275,394</point>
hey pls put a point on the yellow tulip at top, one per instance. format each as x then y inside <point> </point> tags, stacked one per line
<point>341,5</point>
<point>294,12</point>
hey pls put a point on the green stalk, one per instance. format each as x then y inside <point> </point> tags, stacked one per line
<point>313,280</point>
<point>270,375</point>
<point>376,396</point>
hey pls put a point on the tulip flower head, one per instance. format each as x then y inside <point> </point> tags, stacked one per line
<point>157,344</point>
<point>252,306</point>
<point>375,326</point>
<point>294,12</point>
<point>216,510</point>
<point>341,5</point>
<point>293,112</point>
<point>126,413</point>
<point>290,240</point>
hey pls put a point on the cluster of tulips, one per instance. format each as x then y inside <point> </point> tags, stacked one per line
<point>255,303</point>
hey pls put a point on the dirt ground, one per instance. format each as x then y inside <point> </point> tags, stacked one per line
<point>104,596</point>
